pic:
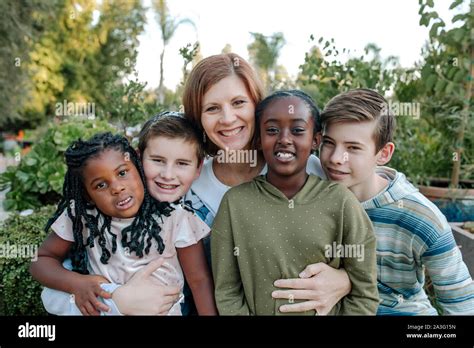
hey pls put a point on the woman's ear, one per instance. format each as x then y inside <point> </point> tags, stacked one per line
<point>385,154</point>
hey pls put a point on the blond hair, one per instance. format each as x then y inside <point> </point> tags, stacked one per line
<point>360,105</point>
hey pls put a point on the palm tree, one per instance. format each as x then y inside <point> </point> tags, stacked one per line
<point>264,52</point>
<point>168,26</point>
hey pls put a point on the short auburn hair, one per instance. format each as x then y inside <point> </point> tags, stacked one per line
<point>171,125</point>
<point>207,73</point>
<point>360,105</point>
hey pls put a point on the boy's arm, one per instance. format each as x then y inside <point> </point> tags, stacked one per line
<point>229,292</point>
<point>199,278</point>
<point>451,280</point>
<point>48,270</point>
<point>361,266</point>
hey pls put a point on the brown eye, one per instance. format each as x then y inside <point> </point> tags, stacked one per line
<point>101,185</point>
<point>211,109</point>
<point>272,130</point>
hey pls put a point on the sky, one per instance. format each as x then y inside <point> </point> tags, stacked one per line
<point>393,25</point>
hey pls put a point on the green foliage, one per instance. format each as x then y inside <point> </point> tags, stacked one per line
<point>84,46</point>
<point>420,151</point>
<point>188,52</point>
<point>264,52</point>
<point>38,178</point>
<point>168,26</point>
<point>446,85</point>
<point>21,25</point>
<point>323,75</point>
<point>20,231</point>
<point>126,103</point>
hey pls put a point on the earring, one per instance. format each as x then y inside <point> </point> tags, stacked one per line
<point>204,137</point>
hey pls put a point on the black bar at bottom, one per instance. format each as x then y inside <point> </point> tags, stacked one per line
<point>451,331</point>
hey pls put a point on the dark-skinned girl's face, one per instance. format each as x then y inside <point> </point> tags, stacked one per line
<point>287,136</point>
<point>113,184</point>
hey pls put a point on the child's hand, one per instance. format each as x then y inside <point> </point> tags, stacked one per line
<point>87,290</point>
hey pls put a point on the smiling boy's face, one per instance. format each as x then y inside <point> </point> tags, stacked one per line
<point>348,154</point>
<point>171,166</point>
<point>287,137</point>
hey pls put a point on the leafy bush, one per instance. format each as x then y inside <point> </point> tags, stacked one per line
<point>420,151</point>
<point>38,179</point>
<point>19,292</point>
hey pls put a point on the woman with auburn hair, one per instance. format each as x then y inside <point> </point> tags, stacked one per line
<point>220,96</point>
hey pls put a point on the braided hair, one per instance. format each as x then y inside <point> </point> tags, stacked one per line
<point>137,237</point>
<point>313,109</point>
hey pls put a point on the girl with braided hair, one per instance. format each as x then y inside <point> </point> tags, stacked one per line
<point>111,227</point>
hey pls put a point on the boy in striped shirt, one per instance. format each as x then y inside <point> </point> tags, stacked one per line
<point>412,234</point>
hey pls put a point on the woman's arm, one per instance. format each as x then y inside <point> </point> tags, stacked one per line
<point>195,267</point>
<point>48,270</point>
<point>143,294</point>
<point>321,285</point>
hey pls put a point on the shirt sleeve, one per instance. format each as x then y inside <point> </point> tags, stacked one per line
<point>361,269</point>
<point>63,227</point>
<point>62,303</point>
<point>451,280</point>
<point>229,292</point>
<point>188,228</point>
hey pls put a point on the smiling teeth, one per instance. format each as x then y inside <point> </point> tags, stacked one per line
<point>232,132</point>
<point>284,155</point>
<point>125,201</point>
<point>167,186</point>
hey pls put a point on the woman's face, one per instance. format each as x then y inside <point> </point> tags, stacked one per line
<point>228,114</point>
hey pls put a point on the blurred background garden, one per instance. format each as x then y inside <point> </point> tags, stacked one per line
<point>69,70</point>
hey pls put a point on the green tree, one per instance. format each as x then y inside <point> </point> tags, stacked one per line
<point>227,49</point>
<point>447,83</point>
<point>117,30</point>
<point>21,25</point>
<point>126,104</point>
<point>84,47</point>
<point>189,53</point>
<point>324,75</point>
<point>264,52</point>
<point>168,26</point>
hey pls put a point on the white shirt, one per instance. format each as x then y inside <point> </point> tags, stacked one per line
<point>181,229</point>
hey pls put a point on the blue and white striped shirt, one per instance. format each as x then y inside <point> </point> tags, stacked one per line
<point>414,236</point>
